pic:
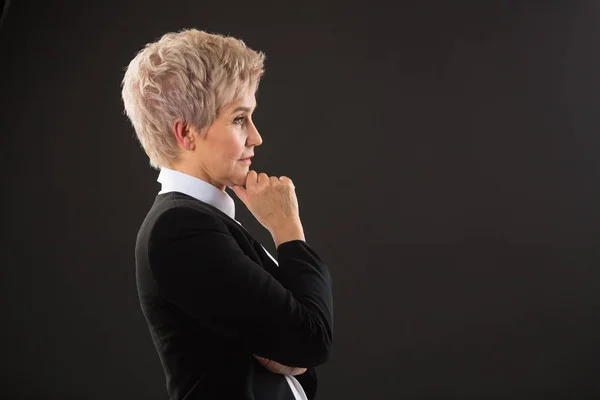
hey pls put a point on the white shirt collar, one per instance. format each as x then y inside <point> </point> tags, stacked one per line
<point>176,181</point>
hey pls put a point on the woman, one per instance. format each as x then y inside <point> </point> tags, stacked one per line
<point>228,320</point>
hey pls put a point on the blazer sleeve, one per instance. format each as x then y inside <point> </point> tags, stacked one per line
<point>287,316</point>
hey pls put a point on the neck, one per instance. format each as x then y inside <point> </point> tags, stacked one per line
<point>197,172</point>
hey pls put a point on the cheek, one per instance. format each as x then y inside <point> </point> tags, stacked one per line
<point>236,149</point>
<point>230,149</point>
<point>228,156</point>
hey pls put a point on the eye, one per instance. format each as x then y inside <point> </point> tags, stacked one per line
<point>239,120</point>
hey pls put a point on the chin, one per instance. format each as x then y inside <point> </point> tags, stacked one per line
<point>240,178</point>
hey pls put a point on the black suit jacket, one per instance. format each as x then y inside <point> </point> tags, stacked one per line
<point>212,298</point>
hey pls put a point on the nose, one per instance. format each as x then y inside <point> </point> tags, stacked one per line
<point>254,138</point>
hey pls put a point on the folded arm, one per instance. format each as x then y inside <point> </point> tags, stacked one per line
<point>287,316</point>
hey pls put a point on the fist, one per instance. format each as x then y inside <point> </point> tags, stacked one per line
<point>271,200</point>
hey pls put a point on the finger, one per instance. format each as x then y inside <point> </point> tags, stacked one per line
<point>262,178</point>
<point>251,178</point>
<point>297,371</point>
<point>241,193</point>
<point>262,360</point>
<point>287,180</point>
<point>259,358</point>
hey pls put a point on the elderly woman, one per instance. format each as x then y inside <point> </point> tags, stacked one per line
<point>228,320</point>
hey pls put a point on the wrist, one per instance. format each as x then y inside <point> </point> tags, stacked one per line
<point>291,230</point>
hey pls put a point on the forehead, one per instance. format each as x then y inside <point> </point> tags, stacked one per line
<point>246,102</point>
<point>247,99</point>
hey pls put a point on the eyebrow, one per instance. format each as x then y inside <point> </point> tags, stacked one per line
<point>247,109</point>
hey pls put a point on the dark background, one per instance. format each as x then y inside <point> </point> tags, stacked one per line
<point>447,163</point>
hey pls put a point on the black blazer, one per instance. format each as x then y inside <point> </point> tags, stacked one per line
<point>212,298</point>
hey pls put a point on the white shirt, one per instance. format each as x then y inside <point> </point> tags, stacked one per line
<point>175,181</point>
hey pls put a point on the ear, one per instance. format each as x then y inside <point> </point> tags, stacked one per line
<point>184,135</point>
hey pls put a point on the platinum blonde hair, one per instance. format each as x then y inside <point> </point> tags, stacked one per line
<point>187,76</point>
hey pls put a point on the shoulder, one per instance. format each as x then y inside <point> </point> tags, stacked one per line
<point>176,214</point>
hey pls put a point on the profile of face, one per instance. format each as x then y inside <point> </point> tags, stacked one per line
<point>214,155</point>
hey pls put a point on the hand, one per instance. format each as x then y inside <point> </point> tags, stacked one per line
<point>271,200</point>
<point>280,369</point>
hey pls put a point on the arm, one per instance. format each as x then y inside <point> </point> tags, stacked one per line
<point>287,316</point>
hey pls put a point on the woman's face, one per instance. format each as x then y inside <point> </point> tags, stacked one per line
<point>231,137</point>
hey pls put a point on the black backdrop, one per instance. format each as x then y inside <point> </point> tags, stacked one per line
<point>447,162</point>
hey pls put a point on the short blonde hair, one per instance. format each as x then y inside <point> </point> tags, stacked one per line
<point>188,76</point>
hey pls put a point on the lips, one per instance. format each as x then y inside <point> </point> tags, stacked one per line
<point>246,161</point>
